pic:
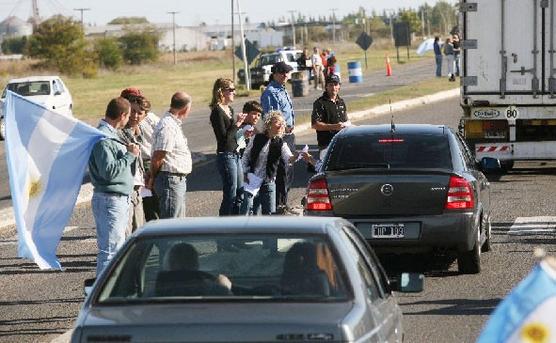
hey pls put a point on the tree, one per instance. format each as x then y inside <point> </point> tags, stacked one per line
<point>377,26</point>
<point>59,43</point>
<point>140,47</point>
<point>410,17</point>
<point>109,53</point>
<point>128,21</point>
<point>15,45</point>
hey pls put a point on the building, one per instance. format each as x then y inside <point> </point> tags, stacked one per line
<point>258,33</point>
<point>14,27</point>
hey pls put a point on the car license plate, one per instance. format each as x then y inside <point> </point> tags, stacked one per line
<point>388,230</point>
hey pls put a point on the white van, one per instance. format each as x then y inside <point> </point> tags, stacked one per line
<point>49,91</point>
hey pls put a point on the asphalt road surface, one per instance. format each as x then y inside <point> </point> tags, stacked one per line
<point>38,306</point>
<point>201,137</point>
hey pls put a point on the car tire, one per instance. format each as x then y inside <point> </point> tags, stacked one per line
<point>506,166</point>
<point>469,262</point>
<point>488,232</point>
<point>2,129</point>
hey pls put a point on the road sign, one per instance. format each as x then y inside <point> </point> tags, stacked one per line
<point>364,41</point>
<point>250,50</point>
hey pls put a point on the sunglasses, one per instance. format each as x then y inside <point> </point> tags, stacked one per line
<point>231,90</point>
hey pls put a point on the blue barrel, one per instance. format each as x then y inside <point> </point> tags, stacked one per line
<point>354,72</point>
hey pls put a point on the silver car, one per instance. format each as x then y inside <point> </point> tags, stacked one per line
<point>244,279</point>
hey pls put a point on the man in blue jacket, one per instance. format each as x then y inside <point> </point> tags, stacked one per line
<point>276,98</point>
<point>110,168</point>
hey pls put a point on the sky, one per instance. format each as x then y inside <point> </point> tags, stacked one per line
<point>194,12</point>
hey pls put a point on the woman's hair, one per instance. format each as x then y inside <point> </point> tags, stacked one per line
<point>272,117</point>
<point>219,85</point>
<point>251,106</point>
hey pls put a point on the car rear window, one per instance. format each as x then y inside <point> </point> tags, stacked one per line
<point>30,88</point>
<point>390,151</point>
<point>258,267</point>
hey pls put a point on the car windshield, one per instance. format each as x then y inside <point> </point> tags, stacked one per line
<point>233,267</point>
<point>269,59</point>
<point>419,151</point>
<point>30,88</point>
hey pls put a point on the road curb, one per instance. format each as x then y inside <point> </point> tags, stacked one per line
<point>7,219</point>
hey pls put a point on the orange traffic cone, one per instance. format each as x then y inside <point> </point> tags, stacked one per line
<point>388,66</point>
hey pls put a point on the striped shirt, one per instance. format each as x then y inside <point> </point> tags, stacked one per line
<point>168,136</point>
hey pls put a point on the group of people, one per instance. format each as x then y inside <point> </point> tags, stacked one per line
<point>139,171</point>
<point>255,162</point>
<point>452,50</point>
<point>320,65</point>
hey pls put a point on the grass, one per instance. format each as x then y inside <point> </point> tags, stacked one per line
<point>194,73</point>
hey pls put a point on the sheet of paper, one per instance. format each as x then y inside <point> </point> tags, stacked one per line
<point>305,149</point>
<point>253,184</point>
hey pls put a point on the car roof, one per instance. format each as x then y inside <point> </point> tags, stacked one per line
<point>426,129</point>
<point>35,78</point>
<point>240,224</point>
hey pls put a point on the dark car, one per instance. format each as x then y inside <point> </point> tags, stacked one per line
<point>408,189</point>
<point>244,279</point>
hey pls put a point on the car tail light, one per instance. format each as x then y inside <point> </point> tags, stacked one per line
<point>318,198</point>
<point>460,194</point>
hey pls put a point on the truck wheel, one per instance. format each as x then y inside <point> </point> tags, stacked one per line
<point>469,262</point>
<point>488,232</point>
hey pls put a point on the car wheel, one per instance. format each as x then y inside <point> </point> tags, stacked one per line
<point>469,262</point>
<point>488,232</point>
<point>506,166</point>
<point>2,129</point>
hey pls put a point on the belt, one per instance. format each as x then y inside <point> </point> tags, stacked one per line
<point>173,174</point>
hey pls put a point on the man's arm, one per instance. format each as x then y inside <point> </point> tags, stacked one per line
<point>156,163</point>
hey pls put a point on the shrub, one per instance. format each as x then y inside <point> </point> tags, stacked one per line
<point>140,47</point>
<point>15,45</point>
<point>109,53</point>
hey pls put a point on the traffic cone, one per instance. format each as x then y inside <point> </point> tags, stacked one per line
<point>388,66</point>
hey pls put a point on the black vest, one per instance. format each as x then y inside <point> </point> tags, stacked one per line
<point>274,154</point>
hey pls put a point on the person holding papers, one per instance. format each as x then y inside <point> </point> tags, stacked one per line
<point>110,168</point>
<point>260,164</point>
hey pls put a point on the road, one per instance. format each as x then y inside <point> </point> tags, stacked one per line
<point>201,137</point>
<point>39,306</point>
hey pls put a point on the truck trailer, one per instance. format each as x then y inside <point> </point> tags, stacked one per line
<point>508,81</point>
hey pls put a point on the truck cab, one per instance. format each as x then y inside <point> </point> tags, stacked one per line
<point>260,73</point>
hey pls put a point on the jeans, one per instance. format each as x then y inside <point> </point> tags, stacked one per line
<point>438,59</point>
<point>267,198</point>
<point>136,214</point>
<point>231,171</point>
<point>284,175</point>
<point>170,189</point>
<point>456,62</point>
<point>111,213</point>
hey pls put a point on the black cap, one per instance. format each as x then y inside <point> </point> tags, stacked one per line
<point>281,67</point>
<point>333,78</point>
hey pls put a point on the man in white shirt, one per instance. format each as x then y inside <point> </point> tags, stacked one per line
<point>318,69</point>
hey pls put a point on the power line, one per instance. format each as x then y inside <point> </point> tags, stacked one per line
<point>333,10</point>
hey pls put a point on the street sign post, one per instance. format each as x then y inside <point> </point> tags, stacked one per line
<point>364,41</point>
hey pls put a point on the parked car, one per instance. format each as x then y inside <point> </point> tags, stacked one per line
<point>244,279</point>
<point>260,73</point>
<point>407,188</point>
<point>49,91</point>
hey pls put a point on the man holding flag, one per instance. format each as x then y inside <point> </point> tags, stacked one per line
<point>110,167</point>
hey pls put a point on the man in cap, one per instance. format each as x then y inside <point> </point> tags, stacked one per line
<point>276,98</point>
<point>329,113</point>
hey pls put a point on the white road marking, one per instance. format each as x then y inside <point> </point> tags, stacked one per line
<point>531,226</point>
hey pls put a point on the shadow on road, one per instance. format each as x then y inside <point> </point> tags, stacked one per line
<point>455,307</point>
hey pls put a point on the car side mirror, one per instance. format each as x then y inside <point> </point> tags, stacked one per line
<point>88,286</point>
<point>408,283</point>
<point>57,93</point>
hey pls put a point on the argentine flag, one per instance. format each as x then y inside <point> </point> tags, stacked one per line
<point>47,153</point>
<point>528,313</point>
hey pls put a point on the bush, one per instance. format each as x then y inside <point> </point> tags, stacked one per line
<point>14,45</point>
<point>140,47</point>
<point>109,53</point>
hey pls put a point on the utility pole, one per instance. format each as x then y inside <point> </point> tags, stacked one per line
<point>333,10</point>
<point>245,64</point>
<point>293,26</point>
<point>391,11</point>
<point>173,13</point>
<point>82,10</point>
<point>233,45</point>
<point>422,22</point>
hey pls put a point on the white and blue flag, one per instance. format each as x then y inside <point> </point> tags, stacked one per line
<point>47,154</point>
<point>528,313</point>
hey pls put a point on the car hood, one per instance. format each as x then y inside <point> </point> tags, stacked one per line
<point>216,322</point>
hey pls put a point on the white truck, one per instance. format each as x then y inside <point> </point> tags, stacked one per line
<point>508,84</point>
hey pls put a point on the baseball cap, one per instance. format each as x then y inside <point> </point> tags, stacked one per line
<point>131,91</point>
<point>333,78</point>
<point>281,67</point>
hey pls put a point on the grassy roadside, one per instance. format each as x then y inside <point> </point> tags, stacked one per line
<point>194,73</point>
<point>425,87</point>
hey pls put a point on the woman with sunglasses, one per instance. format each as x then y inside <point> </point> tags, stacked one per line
<point>225,127</point>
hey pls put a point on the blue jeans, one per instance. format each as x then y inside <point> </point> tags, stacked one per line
<point>438,59</point>
<point>267,198</point>
<point>170,189</point>
<point>111,213</point>
<point>231,172</point>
